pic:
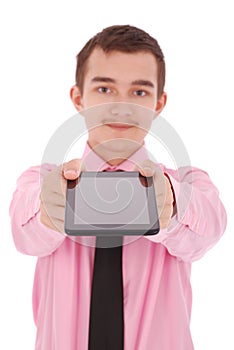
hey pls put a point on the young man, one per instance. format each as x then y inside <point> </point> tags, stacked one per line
<point>122,66</point>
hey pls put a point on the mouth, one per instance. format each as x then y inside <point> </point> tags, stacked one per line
<point>119,126</point>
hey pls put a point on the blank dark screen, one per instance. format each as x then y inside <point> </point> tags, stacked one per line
<point>111,200</point>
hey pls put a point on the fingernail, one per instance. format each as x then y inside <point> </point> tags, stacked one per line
<point>148,170</point>
<point>71,172</point>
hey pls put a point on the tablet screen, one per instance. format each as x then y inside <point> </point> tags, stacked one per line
<point>121,202</point>
<point>111,200</point>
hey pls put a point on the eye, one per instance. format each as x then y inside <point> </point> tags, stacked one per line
<point>140,93</point>
<point>104,90</point>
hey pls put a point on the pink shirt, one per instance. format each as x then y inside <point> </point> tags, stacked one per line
<point>156,269</point>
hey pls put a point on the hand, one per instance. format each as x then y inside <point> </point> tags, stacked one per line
<point>53,193</point>
<point>163,191</point>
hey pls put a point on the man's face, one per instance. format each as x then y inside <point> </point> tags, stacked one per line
<point>127,78</point>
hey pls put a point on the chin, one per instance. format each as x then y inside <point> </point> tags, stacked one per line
<point>121,146</point>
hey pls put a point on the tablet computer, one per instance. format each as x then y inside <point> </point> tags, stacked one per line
<point>111,203</point>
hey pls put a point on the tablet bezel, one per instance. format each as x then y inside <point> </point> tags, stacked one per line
<point>110,229</point>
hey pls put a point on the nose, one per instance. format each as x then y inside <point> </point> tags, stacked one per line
<point>121,109</point>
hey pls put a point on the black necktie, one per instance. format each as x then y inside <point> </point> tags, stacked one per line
<point>106,326</point>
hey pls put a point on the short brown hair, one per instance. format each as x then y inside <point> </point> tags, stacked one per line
<point>124,38</point>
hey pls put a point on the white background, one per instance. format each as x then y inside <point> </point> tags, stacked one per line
<point>39,42</point>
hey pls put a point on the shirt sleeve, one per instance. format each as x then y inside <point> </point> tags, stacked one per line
<point>200,218</point>
<point>30,235</point>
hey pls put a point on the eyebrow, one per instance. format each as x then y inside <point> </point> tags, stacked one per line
<point>142,82</point>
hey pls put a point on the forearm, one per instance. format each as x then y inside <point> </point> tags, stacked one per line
<point>29,234</point>
<point>200,217</point>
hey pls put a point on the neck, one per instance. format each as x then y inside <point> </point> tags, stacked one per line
<point>113,155</point>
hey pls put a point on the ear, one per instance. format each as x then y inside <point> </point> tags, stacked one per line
<point>161,102</point>
<point>76,98</point>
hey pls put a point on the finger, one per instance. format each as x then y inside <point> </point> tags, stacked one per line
<point>53,223</point>
<point>53,182</point>
<point>59,224</point>
<point>146,168</point>
<point>51,215</point>
<point>46,219</point>
<point>164,195</point>
<point>55,212</point>
<point>55,198</point>
<point>160,186</point>
<point>164,206</point>
<point>72,169</point>
<point>163,186</point>
<point>169,192</point>
<point>165,218</point>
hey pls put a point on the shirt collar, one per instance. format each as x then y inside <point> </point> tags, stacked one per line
<point>93,162</point>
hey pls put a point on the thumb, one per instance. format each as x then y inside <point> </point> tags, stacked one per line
<point>72,169</point>
<point>146,168</point>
